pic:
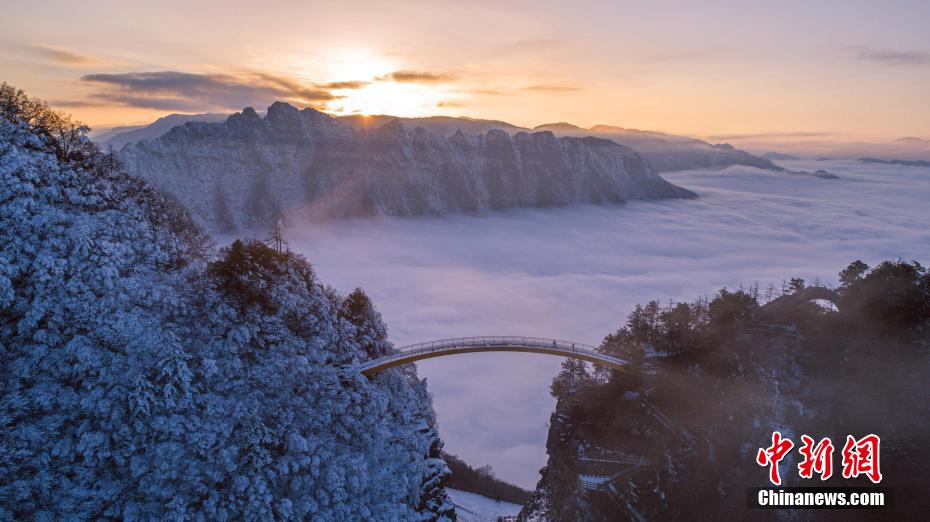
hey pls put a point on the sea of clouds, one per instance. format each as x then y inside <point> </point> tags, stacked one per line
<point>575,273</point>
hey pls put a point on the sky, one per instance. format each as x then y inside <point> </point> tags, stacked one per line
<point>842,70</point>
<point>575,273</point>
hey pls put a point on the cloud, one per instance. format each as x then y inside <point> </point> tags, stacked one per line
<point>489,92</point>
<point>450,104</point>
<point>891,57</point>
<point>76,103</point>
<point>576,273</point>
<point>408,76</point>
<point>770,135</point>
<point>64,57</point>
<point>552,88</point>
<point>173,90</point>
<point>345,85</point>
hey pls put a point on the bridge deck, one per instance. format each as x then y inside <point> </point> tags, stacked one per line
<point>443,347</point>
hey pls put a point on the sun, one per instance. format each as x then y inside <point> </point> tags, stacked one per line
<point>374,92</point>
<point>388,97</point>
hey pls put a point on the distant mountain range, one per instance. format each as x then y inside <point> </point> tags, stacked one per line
<point>249,171</point>
<point>778,156</point>
<point>665,152</point>
<point>906,163</point>
<point>118,137</point>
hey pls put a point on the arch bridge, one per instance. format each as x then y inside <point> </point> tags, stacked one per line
<point>444,347</point>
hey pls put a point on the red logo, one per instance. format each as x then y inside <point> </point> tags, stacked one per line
<point>817,459</point>
<point>772,455</point>
<point>860,457</point>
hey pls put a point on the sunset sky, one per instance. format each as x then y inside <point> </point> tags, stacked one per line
<point>842,70</point>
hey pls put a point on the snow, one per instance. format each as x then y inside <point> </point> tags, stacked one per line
<point>142,381</point>
<point>250,171</point>
<point>471,507</point>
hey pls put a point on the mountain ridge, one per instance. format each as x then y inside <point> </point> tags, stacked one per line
<point>250,171</point>
<point>667,152</point>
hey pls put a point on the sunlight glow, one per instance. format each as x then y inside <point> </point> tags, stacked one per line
<point>396,99</point>
<point>357,66</point>
<point>378,94</point>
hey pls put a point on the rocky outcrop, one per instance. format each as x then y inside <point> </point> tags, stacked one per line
<point>249,171</point>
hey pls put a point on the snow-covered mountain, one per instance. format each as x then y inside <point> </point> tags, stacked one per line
<point>144,377</point>
<point>665,152</point>
<point>668,152</point>
<point>250,171</point>
<point>118,137</point>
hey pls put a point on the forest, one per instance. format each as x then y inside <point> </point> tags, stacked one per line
<point>148,375</point>
<point>709,381</point>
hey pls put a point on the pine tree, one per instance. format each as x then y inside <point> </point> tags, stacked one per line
<point>276,238</point>
<point>573,377</point>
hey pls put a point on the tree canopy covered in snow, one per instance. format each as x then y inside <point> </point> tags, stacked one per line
<point>143,376</point>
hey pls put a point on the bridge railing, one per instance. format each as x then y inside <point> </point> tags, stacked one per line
<point>492,341</point>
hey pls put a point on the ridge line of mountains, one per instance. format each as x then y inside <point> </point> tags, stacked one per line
<point>668,152</point>
<point>247,171</point>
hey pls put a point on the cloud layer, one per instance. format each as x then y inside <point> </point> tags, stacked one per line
<point>173,90</point>
<point>203,92</point>
<point>575,273</point>
<point>408,76</point>
<point>63,57</point>
<point>892,57</point>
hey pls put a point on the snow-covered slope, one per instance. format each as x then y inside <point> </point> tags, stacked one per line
<point>143,379</point>
<point>471,507</point>
<point>250,171</point>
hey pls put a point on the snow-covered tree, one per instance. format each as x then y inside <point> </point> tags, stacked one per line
<point>143,379</point>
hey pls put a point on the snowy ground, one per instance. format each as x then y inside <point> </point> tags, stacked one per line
<point>471,507</point>
<point>575,273</point>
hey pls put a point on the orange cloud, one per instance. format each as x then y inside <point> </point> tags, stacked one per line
<point>64,57</point>
<point>408,76</point>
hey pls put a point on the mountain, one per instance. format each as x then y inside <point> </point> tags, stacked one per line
<point>559,127</point>
<point>101,135</point>
<point>119,137</point>
<point>444,125</point>
<point>778,156</point>
<point>148,377</point>
<point>665,152</point>
<point>482,482</point>
<point>905,163</point>
<point>710,381</point>
<point>912,140</point>
<point>668,153</point>
<point>250,171</point>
